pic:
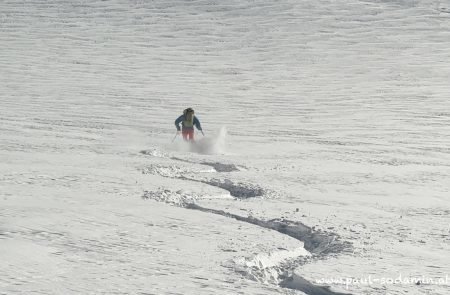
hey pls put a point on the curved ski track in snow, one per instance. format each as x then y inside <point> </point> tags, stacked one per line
<point>281,272</point>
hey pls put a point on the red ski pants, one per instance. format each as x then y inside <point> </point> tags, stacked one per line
<point>188,134</point>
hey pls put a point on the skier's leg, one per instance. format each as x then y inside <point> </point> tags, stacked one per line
<point>185,134</point>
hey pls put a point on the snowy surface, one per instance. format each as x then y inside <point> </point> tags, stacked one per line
<point>337,117</point>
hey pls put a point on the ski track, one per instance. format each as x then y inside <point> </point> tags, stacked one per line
<point>237,189</point>
<point>337,113</point>
<point>281,273</point>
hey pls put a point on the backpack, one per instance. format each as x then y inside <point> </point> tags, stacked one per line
<point>188,117</point>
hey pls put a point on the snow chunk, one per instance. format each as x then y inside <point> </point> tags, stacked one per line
<point>178,198</point>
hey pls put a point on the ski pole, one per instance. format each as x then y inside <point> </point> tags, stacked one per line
<point>202,132</point>
<point>175,136</point>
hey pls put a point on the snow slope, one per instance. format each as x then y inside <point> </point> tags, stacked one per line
<point>338,140</point>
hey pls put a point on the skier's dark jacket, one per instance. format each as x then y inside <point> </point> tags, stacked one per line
<point>181,120</point>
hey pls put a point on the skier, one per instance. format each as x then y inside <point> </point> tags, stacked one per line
<point>188,121</point>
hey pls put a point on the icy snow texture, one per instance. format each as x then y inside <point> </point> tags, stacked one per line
<point>342,107</point>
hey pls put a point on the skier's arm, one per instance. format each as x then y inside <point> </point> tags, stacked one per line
<point>178,121</point>
<point>197,124</point>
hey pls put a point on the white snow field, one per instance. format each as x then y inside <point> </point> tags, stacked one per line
<point>325,168</point>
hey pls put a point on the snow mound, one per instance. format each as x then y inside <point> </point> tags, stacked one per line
<point>317,242</point>
<point>154,153</point>
<point>268,267</point>
<point>238,190</point>
<point>221,167</point>
<point>171,171</point>
<point>178,198</point>
<point>297,282</point>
